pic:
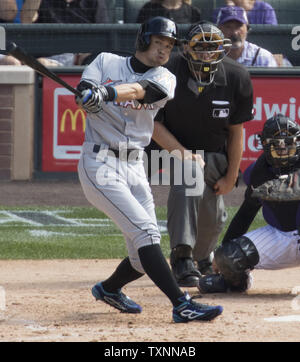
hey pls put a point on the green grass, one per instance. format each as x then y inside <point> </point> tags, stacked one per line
<point>90,236</point>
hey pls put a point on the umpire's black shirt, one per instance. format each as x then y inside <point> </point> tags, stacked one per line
<point>199,120</point>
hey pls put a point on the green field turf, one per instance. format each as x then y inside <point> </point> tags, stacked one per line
<point>71,233</point>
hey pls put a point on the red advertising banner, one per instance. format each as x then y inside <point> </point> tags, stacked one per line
<point>63,126</point>
<point>64,122</point>
<point>272,95</point>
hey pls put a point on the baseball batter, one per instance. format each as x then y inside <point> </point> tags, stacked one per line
<point>276,245</point>
<point>121,96</point>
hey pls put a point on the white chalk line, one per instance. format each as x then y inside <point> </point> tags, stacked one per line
<point>11,217</point>
<point>286,318</point>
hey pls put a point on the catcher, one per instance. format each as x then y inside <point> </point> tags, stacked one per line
<point>272,183</point>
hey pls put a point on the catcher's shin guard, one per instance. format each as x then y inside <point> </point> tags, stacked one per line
<point>183,266</point>
<point>212,283</point>
<point>216,283</point>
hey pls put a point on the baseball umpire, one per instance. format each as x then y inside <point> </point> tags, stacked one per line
<point>121,96</point>
<point>213,99</point>
<point>275,245</point>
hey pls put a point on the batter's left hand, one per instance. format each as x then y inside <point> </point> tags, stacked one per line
<point>224,185</point>
<point>90,100</point>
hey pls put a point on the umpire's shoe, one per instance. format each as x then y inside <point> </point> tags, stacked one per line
<point>189,311</point>
<point>183,267</point>
<point>117,300</point>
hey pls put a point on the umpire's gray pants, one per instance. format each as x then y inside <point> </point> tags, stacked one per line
<point>196,215</point>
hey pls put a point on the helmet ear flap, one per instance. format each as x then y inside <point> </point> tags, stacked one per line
<point>141,41</point>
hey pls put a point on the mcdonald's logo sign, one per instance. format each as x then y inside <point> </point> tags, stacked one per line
<point>73,116</point>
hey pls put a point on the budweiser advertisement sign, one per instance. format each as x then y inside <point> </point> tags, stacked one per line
<point>64,123</point>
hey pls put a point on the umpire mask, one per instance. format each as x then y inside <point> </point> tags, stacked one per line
<point>204,48</point>
<point>280,140</point>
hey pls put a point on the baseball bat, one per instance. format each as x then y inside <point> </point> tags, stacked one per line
<point>17,52</point>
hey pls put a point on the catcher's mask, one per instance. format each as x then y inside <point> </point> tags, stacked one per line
<point>280,140</point>
<point>204,48</point>
<point>155,26</point>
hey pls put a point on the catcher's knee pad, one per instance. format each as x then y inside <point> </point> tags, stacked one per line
<point>236,255</point>
<point>234,260</point>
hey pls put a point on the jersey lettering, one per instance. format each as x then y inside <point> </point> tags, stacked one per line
<point>134,105</point>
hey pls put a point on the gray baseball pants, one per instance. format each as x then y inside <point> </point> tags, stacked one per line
<point>121,190</point>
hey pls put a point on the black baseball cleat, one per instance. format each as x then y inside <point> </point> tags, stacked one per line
<point>117,300</point>
<point>189,311</point>
<point>212,283</point>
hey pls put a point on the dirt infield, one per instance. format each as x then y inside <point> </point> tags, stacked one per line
<point>50,300</point>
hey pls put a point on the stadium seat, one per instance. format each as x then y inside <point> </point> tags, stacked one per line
<point>131,9</point>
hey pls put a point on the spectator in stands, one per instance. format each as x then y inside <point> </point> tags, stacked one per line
<point>27,11</point>
<point>24,11</point>
<point>258,12</point>
<point>233,22</point>
<point>60,11</point>
<point>180,11</point>
<point>8,11</point>
<point>19,11</point>
<point>73,11</point>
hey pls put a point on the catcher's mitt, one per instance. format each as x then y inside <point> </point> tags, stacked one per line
<point>284,188</point>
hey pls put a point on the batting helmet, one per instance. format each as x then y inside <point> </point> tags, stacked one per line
<point>155,26</point>
<point>204,48</point>
<point>280,140</point>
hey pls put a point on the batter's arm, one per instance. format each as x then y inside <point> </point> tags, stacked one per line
<point>129,92</point>
<point>144,91</point>
<point>234,153</point>
<point>164,138</point>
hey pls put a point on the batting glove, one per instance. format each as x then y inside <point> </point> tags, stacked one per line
<point>90,100</point>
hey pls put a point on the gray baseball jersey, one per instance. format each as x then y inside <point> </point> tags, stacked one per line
<point>118,187</point>
<point>129,122</point>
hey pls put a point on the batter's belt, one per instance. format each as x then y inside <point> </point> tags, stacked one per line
<point>123,155</point>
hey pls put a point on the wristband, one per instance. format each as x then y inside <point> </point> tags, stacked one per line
<point>111,93</point>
